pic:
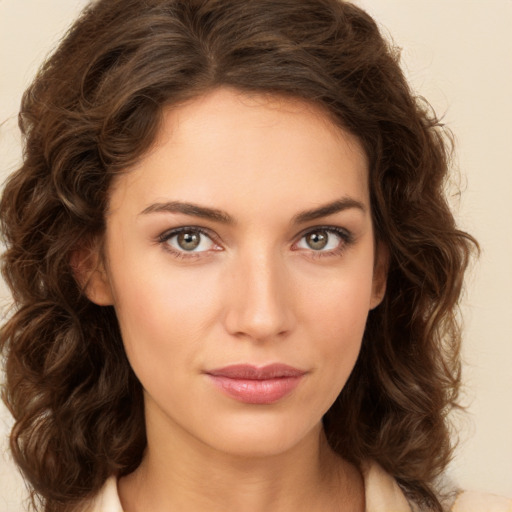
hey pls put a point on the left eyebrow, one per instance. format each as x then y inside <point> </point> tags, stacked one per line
<point>204,212</point>
<point>340,205</point>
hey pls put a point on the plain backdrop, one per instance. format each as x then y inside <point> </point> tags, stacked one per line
<point>457,54</point>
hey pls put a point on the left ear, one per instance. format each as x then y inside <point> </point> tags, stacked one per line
<point>380,274</point>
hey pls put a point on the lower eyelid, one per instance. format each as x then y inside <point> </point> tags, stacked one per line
<point>173,248</point>
<point>345,238</point>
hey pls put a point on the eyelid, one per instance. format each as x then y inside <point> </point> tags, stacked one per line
<point>346,239</point>
<point>182,229</point>
<point>344,234</point>
<point>164,237</point>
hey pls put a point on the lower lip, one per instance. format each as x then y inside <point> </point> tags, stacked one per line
<point>250,391</point>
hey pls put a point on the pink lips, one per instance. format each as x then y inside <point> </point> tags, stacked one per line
<point>253,385</point>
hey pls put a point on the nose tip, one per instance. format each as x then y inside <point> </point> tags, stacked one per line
<point>259,307</point>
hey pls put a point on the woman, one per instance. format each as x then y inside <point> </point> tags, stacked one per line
<point>233,263</point>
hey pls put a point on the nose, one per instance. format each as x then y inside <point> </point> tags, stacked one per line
<point>259,303</point>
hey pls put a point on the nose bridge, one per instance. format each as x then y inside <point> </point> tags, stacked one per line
<point>259,306</point>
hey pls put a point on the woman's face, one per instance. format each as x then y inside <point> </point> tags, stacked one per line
<point>243,237</point>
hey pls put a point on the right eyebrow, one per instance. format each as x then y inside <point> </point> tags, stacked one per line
<point>191,209</point>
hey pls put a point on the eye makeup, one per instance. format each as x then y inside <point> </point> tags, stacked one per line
<point>189,242</point>
<point>195,241</point>
<point>324,241</point>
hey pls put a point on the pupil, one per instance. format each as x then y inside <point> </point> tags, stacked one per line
<point>317,240</point>
<point>188,241</point>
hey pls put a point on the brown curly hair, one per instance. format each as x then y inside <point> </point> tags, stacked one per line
<point>94,109</point>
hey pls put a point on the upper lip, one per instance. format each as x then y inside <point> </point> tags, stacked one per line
<point>250,372</point>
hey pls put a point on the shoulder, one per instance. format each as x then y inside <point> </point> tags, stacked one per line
<point>383,494</point>
<point>478,502</point>
<point>107,500</point>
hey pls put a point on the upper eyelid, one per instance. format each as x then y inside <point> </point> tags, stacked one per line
<point>343,232</point>
<point>164,238</point>
<point>333,229</point>
<point>169,233</point>
<point>346,240</point>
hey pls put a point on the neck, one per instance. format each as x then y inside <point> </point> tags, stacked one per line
<point>190,476</point>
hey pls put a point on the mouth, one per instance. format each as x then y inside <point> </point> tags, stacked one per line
<point>256,385</point>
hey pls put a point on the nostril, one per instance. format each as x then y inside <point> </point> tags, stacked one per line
<point>259,320</point>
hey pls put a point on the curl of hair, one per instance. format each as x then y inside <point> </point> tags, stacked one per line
<point>95,108</point>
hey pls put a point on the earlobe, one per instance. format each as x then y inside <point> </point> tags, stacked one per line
<point>380,275</point>
<point>90,273</point>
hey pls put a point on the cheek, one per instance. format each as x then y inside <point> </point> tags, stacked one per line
<point>161,315</point>
<point>336,318</point>
<point>339,303</point>
<point>340,326</point>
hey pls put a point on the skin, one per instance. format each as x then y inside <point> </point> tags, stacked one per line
<point>254,291</point>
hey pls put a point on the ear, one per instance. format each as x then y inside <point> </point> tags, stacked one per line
<point>380,274</point>
<point>89,270</point>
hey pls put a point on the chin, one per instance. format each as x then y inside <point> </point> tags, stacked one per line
<point>249,437</point>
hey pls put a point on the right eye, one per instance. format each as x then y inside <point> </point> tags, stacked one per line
<point>188,240</point>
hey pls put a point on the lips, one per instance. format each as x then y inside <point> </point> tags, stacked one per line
<point>256,385</point>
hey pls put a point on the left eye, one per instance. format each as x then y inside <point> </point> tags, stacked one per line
<point>189,240</point>
<point>321,240</point>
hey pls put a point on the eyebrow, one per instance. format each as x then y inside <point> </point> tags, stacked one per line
<point>192,209</point>
<point>340,205</point>
<point>204,212</point>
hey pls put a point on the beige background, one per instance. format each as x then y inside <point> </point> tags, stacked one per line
<point>458,54</point>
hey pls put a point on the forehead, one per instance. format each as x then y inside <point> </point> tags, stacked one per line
<point>228,113</point>
<point>228,144</point>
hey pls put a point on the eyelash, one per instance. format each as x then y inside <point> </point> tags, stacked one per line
<point>165,237</point>
<point>346,239</point>
<point>345,236</point>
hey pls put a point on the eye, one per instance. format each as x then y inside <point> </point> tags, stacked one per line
<point>188,240</point>
<point>328,239</point>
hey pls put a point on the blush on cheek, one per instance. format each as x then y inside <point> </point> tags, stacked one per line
<point>342,303</point>
<point>342,322</point>
<point>159,311</point>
